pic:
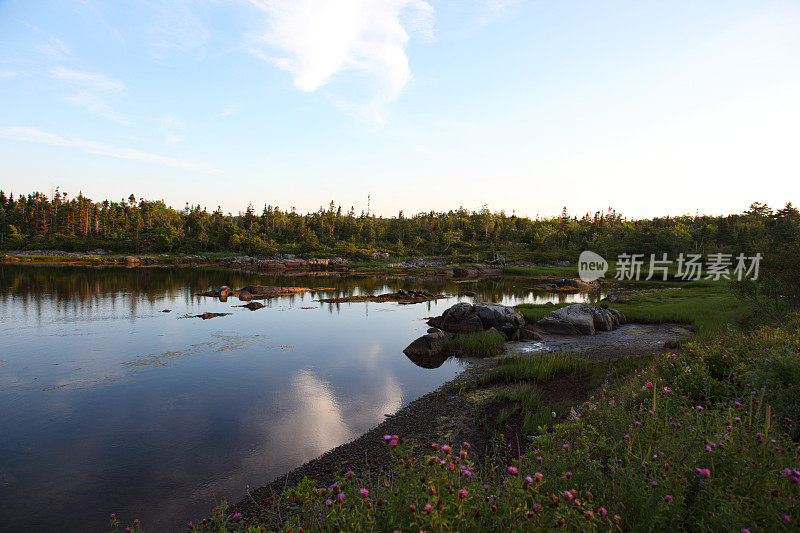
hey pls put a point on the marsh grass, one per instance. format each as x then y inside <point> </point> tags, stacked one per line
<point>477,344</point>
<point>533,368</point>
<point>708,307</point>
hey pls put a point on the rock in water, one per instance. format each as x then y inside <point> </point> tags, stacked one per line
<point>464,317</point>
<point>427,346</point>
<point>581,319</point>
<point>252,305</point>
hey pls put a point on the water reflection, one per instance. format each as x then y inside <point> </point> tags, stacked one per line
<point>109,405</point>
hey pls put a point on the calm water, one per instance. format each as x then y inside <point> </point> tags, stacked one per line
<point>108,404</point>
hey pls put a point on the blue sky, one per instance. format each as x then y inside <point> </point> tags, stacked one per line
<point>651,107</point>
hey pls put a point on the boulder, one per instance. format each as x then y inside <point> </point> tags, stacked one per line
<point>223,292</point>
<point>464,317</point>
<point>582,319</point>
<point>245,296</point>
<point>253,305</point>
<point>530,332</point>
<point>428,345</point>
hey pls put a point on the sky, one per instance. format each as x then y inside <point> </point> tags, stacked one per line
<point>651,107</point>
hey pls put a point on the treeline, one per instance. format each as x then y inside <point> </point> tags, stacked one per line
<point>38,221</point>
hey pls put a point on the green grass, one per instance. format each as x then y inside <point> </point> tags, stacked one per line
<point>708,309</point>
<point>543,270</point>
<point>708,306</point>
<point>477,344</point>
<point>537,367</point>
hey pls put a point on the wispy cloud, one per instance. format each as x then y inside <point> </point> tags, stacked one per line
<point>21,133</point>
<point>229,110</point>
<point>91,91</point>
<point>316,40</point>
<point>7,73</point>
<point>176,29</point>
<point>169,126</point>
<point>53,48</point>
<point>95,81</point>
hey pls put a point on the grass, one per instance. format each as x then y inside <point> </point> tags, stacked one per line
<point>708,306</point>
<point>708,309</point>
<point>477,344</point>
<point>539,367</point>
<point>543,270</point>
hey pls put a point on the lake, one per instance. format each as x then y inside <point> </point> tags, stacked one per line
<point>108,404</point>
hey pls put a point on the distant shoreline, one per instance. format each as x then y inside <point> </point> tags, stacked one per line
<point>270,265</point>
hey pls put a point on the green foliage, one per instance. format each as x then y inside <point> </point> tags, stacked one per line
<point>477,344</point>
<point>37,221</point>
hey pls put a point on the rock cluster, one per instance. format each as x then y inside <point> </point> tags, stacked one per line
<point>464,317</point>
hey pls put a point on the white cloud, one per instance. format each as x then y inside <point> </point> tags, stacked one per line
<point>7,73</point>
<point>92,80</point>
<point>316,40</point>
<point>53,49</point>
<point>91,92</point>
<point>169,126</point>
<point>20,133</point>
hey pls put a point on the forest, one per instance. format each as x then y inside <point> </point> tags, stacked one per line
<point>38,221</point>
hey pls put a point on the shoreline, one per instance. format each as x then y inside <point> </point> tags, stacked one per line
<point>288,265</point>
<point>446,416</point>
<point>429,418</point>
